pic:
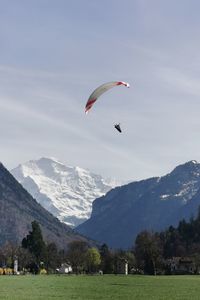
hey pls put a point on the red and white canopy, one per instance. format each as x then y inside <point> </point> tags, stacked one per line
<point>100,90</point>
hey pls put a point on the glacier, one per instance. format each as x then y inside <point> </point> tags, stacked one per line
<point>65,191</point>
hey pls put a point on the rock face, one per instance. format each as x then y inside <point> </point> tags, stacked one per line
<point>151,204</point>
<point>18,209</point>
<point>66,192</point>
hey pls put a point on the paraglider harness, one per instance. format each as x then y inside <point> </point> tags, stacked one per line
<point>117,126</point>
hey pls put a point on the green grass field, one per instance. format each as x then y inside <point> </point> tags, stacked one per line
<point>99,287</point>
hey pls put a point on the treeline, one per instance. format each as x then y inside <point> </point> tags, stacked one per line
<point>150,254</point>
<point>154,250</point>
<point>35,256</point>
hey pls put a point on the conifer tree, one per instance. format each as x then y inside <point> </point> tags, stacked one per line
<point>34,243</point>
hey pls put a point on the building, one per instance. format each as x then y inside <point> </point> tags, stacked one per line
<point>64,269</point>
<point>122,266</point>
<point>181,265</point>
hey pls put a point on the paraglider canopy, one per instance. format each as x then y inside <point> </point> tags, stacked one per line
<point>100,90</point>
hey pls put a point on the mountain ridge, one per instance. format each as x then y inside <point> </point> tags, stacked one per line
<point>18,209</point>
<point>150,204</point>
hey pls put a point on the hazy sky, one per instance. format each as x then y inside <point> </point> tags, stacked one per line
<point>54,53</point>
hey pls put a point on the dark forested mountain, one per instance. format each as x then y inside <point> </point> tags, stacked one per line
<point>151,204</point>
<point>18,209</point>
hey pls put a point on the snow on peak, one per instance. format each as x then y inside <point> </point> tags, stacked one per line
<point>65,191</point>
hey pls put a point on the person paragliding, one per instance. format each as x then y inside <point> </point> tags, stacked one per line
<point>99,91</point>
<point>117,126</point>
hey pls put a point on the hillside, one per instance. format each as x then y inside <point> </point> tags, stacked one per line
<point>18,209</point>
<point>151,204</point>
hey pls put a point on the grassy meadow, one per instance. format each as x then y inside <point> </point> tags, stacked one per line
<point>99,287</point>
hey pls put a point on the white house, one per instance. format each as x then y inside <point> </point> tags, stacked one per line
<point>64,269</point>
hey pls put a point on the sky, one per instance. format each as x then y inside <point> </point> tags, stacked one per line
<point>54,53</point>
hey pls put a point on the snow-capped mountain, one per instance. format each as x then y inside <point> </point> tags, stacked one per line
<point>150,204</point>
<point>66,192</point>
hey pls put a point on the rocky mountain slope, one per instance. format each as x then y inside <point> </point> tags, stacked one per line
<point>18,209</point>
<point>66,192</point>
<point>151,204</point>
